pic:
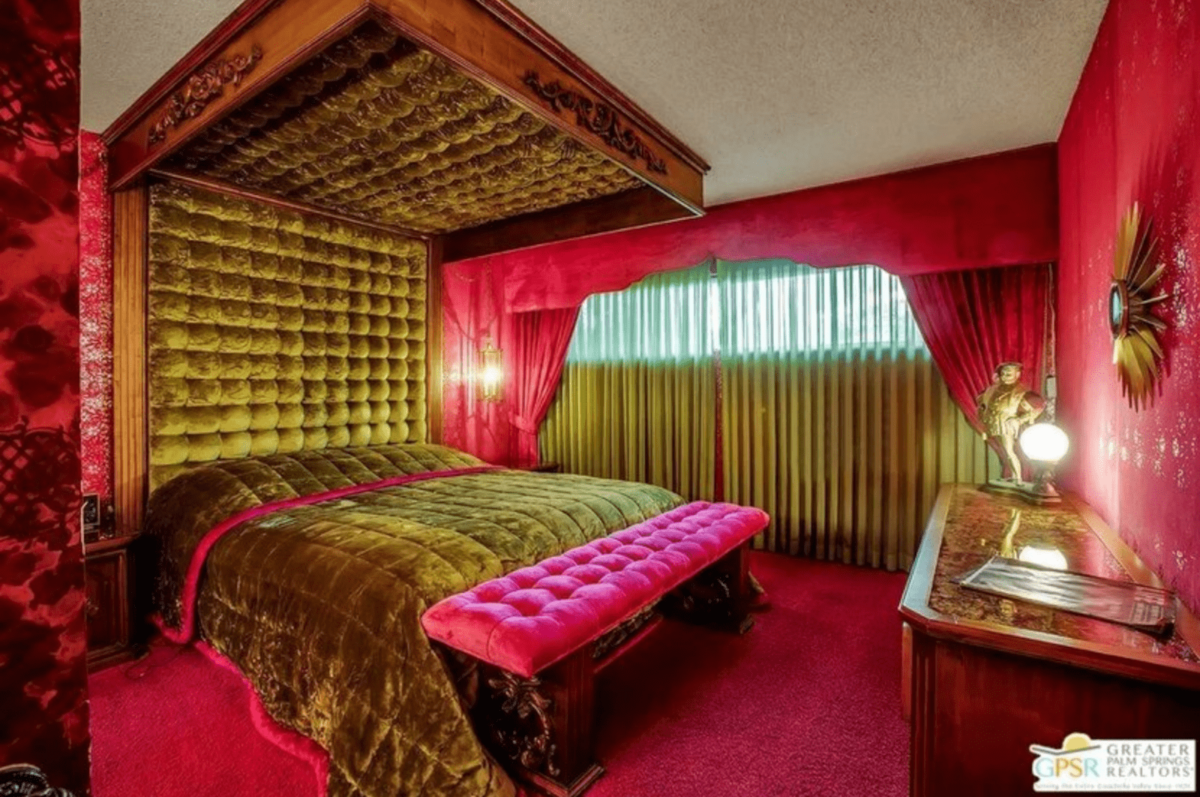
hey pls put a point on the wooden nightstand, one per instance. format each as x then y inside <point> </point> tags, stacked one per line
<point>107,567</point>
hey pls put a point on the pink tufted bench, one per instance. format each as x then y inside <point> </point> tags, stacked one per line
<point>541,633</point>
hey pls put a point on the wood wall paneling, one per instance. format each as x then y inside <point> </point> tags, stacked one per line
<point>130,444</point>
<point>434,354</point>
<point>639,207</point>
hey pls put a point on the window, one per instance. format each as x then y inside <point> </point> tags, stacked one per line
<point>750,309</point>
<point>806,392</point>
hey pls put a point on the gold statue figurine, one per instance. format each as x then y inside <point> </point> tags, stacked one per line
<point>1005,408</point>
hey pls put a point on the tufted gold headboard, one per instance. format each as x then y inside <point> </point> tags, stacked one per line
<point>272,332</point>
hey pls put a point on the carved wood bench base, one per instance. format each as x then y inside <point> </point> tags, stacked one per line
<point>553,788</point>
<point>718,597</point>
<point>542,729</point>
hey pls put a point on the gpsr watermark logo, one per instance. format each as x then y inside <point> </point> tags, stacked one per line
<point>1086,764</point>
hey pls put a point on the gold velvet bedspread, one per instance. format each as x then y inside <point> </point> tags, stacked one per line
<point>320,605</point>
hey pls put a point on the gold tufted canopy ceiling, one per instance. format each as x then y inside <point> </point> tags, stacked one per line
<point>377,128</point>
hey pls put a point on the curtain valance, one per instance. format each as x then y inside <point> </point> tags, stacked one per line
<point>996,210</point>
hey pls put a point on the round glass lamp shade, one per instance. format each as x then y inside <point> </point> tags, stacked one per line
<point>1044,442</point>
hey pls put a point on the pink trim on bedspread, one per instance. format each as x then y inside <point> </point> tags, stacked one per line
<point>289,741</point>
<point>191,583</point>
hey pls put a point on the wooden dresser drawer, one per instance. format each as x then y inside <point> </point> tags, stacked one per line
<point>107,568</point>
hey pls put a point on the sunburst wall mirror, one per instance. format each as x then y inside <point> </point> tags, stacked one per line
<point>1137,351</point>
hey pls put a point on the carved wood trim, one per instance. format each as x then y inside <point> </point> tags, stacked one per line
<point>618,636</point>
<point>287,32</point>
<point>26,780</point>
<point>244,16</point>
<point>599,118</point>
<point>501,53</point>
<point>716,596</point>
<point>521,720</point>
<point>555,51</point>
<point>202,88</point>
<point>487,39</point>
<point>434,325</point>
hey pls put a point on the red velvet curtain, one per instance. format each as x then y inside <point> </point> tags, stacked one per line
<point>974,320</point>
<point>538,350</point>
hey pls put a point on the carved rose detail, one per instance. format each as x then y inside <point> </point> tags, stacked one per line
<point>201,89</point>
<point>597,117</point>
<point>522,725</point>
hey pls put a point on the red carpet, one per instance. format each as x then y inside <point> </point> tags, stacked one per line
<point>177,724</point>
<point>808,703</point>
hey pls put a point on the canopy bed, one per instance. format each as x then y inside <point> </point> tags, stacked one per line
<point>459,127</point>
<point>284,199</point>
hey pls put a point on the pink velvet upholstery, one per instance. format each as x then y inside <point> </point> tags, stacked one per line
<point>538,615</point>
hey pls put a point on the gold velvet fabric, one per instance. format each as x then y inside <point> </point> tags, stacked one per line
<point>377,128</point>
<point>320,605</point>
<point>272,332</point>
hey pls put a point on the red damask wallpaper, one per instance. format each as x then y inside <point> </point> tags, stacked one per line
<point>1132,135</point>
<point>42,641</point>
<point>95,315</point>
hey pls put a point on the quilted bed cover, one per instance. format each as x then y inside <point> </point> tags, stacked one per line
<point>318,597</point>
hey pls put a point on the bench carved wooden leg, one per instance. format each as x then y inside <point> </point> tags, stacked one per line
<point>542,727</point>
<point>718,597</point>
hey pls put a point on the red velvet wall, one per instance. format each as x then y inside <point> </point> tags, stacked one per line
<point>43,707</point>
<point>996,210</point>
<point>1132,135</point>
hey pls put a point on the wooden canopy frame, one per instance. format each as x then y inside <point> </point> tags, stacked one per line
<point>264,41</point>
<point>489,40</point>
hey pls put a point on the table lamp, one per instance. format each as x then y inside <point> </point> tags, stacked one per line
<point>1043,444</point>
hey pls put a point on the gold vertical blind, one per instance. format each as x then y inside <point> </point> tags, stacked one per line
<point>832,416</point>
<point>638,399</point>
<point>836,421</point>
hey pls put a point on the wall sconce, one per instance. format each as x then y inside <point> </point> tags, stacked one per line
<point>491,372</point>
<point>1044,445</point>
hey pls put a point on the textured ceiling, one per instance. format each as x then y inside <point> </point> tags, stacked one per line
<point>775,94</point>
